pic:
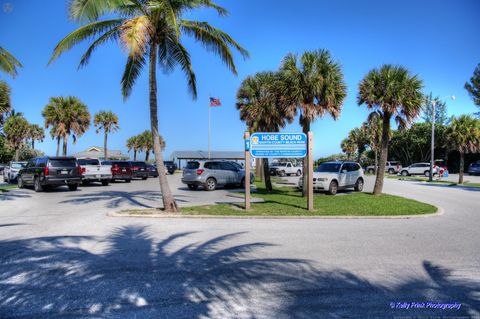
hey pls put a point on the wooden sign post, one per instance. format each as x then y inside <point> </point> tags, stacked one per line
<point>310,172</point>
<point>247,170</point>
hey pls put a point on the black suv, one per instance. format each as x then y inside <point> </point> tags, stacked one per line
<point>170,166</point>
<point>139,170</point>
<point>44,172</point>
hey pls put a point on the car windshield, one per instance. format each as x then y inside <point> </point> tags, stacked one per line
<point>18,165</point>
<point>329,167</point>
<point>237,165</point>
<point>193,165</point>
<point>85,161</point>
<point>63,163</point>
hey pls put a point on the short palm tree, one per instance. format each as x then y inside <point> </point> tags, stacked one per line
<point>373,129</point>
<point>358,136</point>
<point>348,147</point>
<point>16,130</point>
<point>5,104</point>
<point>315,87</point>
<point>263,109</point>
<point>8,63</point>
<point>36,133</point>
<point>108,122</point>
<point>146,143</point>
<point>394,94</point>
<point>151,32</point>
<point>463,135</point>
<point>134,143</point>
<point>68,116</point>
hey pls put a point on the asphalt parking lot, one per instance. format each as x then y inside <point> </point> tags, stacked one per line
<point>61,256</point>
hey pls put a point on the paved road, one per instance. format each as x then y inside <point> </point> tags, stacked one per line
<point>73,261</point>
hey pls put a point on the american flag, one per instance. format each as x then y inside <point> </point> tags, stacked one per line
<point>215,102</point>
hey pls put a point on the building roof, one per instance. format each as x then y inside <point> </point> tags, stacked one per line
<point>97,152</point>
<point>233,155</point>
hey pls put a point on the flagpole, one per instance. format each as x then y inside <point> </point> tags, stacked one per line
<point>209,129</point>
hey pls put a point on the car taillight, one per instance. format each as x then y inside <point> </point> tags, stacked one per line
<point>200,171</point>
<point>45,171</point>
<point>83,170</point>
<point>80,170</point>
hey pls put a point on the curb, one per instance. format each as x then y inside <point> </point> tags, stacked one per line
<point>439,212</point>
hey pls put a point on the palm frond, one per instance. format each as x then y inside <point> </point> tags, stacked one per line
<point>91,10</point>
<point>132,71</point>
<point>8,63</point>
<point>113,34</point>
<point>135,34</point>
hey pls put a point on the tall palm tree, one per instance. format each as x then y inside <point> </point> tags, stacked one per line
<point>5,104</point>
<point>134,143</point>
<point>315,87</point>
<point>36,133</point>
<point>68,116</point>
<point>463,135</point>
<point>263,108</point>
<point>394,94</point>
<point>8,63</point>
<point>16,130</point>
<point>108,122</point>
<point>151,32</point>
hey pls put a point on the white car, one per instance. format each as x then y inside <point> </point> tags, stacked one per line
<point>10,172</point>
<point>93,171</point>
<point>332,176</point>
<point>285,169</point>
<point>418,169</point>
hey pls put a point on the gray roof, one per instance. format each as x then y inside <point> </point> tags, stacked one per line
<point>204,155</point>
<point>97,152</point>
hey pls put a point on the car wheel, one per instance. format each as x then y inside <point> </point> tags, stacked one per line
<point>193,187</point>
<point>371,171</point>
<point>85,183</point>
<point>144,178</point>
<point>211,184</point>
<point>281,173</point>
<point>73,187</point>
<point>333,188</point>
<point>20,182</point>
<point>359,185</point>
<point>391,171</point>
<point>299,172</point>
<point>128,180</point>
<point>37,186</point>
<point>427,173</point>
<point>104,183</point>
<point>404,173</point>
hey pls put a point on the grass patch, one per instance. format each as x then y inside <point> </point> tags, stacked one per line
<point>5,188</point>
<point>286,201</point>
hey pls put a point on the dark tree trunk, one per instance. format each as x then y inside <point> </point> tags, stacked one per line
<point>376,161</point>
<point>33,144</point>
<point>258,169</point>
<point>147,155</point>
<point>377,189</point>
<point>462,167</point>
<point>134,155</point>
<point>169,204</point>
<point>65,141</point>
<point>266,175</point>
<point>105,152</point>
<point>17,154</point>
<point>58,145</point>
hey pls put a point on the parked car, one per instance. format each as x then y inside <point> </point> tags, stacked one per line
<point>474,168</point>
<point>139,169</point>
<point>11,170</point>
<point>392,167</point>
<point>170,166</point>
<point>48,172</point>
<point>211,174</point>
<point>333,176</point>
<point>121,170</point>
<point>286,168</point>
<point>152,171</point>
<point>419,169</point>
<point>2,167</point>
<point>93,171</point>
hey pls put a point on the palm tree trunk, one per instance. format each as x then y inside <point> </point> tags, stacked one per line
<point>17,154</point>
<point>258,168</point>
<point>266,174</point>
<point>462,167</point>
<point>134,155</point>
<point>58,145</point>
<point>377,189</point>
<point>147,154</point>
<point>65,141</point>
<point>105,153</point>
<point>306,129</point>
<point>376,161</point>
<point>169,204</point>
<point>33,144</point>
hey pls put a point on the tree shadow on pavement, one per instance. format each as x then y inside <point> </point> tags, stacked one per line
<point>462,187</point>
<point>178,277</point>
<point>14,194</point>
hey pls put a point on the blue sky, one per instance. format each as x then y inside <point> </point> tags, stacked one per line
<point>436,39</point>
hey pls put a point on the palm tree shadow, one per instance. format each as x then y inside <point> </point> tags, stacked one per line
<point>137,276</point>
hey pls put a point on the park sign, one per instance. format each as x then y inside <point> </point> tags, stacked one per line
<point>278,145</point>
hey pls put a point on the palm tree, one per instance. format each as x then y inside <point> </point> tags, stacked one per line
<point>134,143</point>
<point>151,32</point>
<point>463,135</point>
<point>8,63</point>
<point>315,87</point>
<point>373,129</point>
<point>358,136</point>
<point>108,122</point>
<point>394,94</point>
<point>348,147</point>
<point>67,116</point>
<point>263,108</point>
<point>16,130</point>
<point>36,133</point>
<point>146,143</point>
<point>5,104</point>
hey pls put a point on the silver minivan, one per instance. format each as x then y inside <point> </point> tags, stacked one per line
<point>213,173</point>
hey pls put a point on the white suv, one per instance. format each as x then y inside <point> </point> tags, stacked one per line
<point>332,176</point>
<point>418,169</point>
